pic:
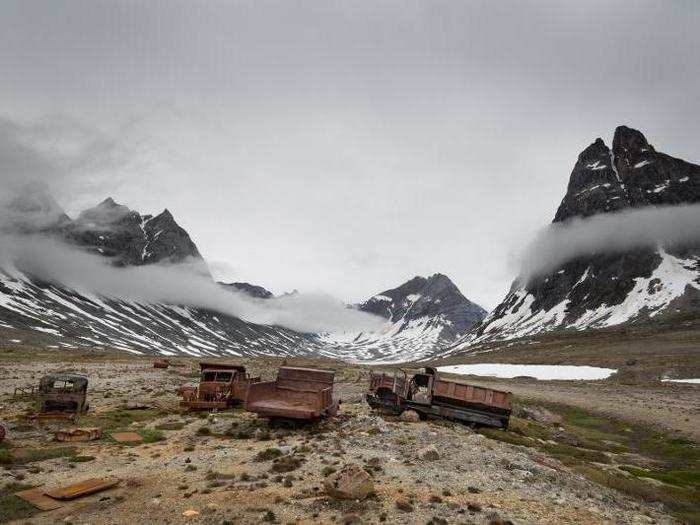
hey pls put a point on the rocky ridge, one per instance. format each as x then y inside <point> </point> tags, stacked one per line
<point>604,289</point>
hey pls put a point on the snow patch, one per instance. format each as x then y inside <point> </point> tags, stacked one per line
<point>544,372</point>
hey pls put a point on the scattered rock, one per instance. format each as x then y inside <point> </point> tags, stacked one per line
<point>350,482</point>
<point>539,414</point>
<point>429,453</point>
<point>404,505</point>
<point>409,416</point>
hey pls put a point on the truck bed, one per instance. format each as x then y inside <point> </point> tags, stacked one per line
<point>283,408</point>
<point>290,398</point>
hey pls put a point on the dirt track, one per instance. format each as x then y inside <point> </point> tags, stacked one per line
<point>669,406</point>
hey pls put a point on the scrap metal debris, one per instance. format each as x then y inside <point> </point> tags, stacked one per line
<point>78,434</point>
<point>161,363</point>
<point>127,437</point>
<point>82,488</point>
<point>40,500</point>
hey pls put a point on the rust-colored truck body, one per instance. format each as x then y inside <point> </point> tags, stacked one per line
<point>431,396</point>
<point>221,385</point>
<point>296,394</point>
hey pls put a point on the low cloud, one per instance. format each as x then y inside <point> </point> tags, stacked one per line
<point>53,261</point>
<point>650,227</point>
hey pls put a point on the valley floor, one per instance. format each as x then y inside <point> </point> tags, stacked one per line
<point>563,461</point>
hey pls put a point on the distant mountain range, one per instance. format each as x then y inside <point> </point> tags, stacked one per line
<point>420,314</point>
<point>423,317</point>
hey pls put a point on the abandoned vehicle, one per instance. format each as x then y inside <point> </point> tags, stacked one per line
<point>221,385</point>
<point>296,394</point>
<point>431,396</point>
<point>63,393</point>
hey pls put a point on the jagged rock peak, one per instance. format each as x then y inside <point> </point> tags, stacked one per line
<point>250,289</point>
<point>435,298</point>
<point>629,139</point>
<point>106,212</point>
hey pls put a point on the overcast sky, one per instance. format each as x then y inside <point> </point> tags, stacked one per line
<point>345,146</point>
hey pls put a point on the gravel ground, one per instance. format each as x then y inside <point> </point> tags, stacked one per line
<point>197,476</point>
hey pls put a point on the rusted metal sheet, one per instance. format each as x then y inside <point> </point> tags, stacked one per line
<point>161,363</point>
<point>297,393</point>
<point>221,386</point>
<point>78,434</point>
<point>127,437</point>
<point>24,392</point>
<point>82,488</point>
<point>40,500</point>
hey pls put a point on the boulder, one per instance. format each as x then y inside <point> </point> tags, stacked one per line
<point>429,453</point>
<point>350,482</point>
<point>409,416</point>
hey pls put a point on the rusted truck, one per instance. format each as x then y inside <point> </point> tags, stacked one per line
<point>62,394</point>
<point>221,386</point>
<point>297,394</point>
<point>431,396</point>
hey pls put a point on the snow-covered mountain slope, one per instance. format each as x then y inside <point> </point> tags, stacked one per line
<point>609,287</point>
<point>44,314</point>
<point>422,314</point>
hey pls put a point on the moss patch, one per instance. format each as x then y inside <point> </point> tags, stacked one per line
<point>119,419</point>
<point>12,507</point>
<point>584,439</point>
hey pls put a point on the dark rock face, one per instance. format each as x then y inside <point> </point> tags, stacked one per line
<point>115,231</point>
<point>251,289</point>
<point>631,175</point>
<point>436,299</point>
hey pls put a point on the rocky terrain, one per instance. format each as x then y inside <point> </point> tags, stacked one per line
<point>554,466</point>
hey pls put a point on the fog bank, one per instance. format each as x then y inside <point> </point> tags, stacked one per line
<point>610,233</point>
<point>50,260</point>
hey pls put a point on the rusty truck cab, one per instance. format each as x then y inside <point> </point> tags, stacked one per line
<point>216,380</point>
<point>221,385</point>
<point>63,392</point>
<point>420,387</point>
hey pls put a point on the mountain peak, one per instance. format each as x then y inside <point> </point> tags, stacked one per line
<point>108,202</point>
<point>434,300</point>
<point>610,287</point>
<point>627,140</point>
<point>105,213</point>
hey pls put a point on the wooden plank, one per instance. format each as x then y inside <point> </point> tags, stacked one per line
<point>82,488</point>
<point>37,498</point>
